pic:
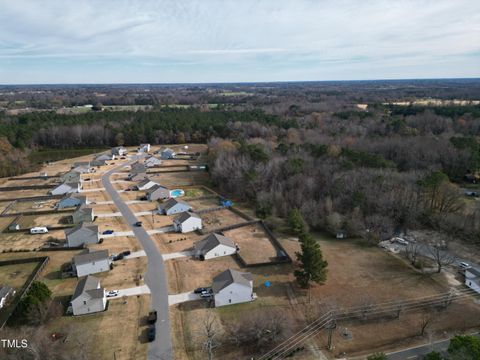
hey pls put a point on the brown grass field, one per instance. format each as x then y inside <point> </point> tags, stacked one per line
<point>255,245</point>
<point>218,219</point>
<point>16,275</point>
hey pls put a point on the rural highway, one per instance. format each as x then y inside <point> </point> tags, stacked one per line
<point>155,278</point>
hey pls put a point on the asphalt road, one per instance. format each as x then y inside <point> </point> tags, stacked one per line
<point>419,351</point>
<point>155,277</point>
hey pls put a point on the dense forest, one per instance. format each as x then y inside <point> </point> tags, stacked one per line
<point>365,158</point>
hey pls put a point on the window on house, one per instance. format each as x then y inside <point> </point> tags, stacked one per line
<point>229,301</point>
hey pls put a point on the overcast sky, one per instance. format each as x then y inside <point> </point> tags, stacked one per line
<point>115,41</point>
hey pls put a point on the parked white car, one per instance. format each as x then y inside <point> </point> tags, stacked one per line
<point>112,293</point>
<point>464,265</point>
<point>39,230</point>
<point>400,241</point>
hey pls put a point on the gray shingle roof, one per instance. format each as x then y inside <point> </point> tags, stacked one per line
<point>89,226</point>
<point>228,277</point>
<point>84,209</point>
<point>90,256</point>
<point>155,187</point>
<point>213,240</point>
<point>171,203</point>
<point>186,215</point>
<point>5,291</point>
<point>89,285</point>
<point>143,182</point>
<point>474,271</point>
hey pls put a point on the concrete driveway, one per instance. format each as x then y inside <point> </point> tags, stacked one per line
<point>138,290</point>
<point>183,297</point>
<point>155,277</point>
<point>177,255</point>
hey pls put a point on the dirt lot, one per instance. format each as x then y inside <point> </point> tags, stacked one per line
<point>218,219</point>
<point>22,241</point>
<point>255,245</point>
<point>16,275</point>
<point>23,206</point>
<point>178,179</point>
<point>111,223</point>
<point>203,204</point>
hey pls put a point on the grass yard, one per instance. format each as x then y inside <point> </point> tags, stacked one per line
<point>203,204</point>
<point>27,241</point>
<point>115,223</point>
<point>180,179</point>
<point>255,245</point>
<point>16,275</point>
<point>24,206</point>
<point>218,219</point>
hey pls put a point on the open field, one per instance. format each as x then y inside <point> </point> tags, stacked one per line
<point>16,275</point>
<point>255,245</point>
<point>218,219</point>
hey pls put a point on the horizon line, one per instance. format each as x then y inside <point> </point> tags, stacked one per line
<point>238,82</point>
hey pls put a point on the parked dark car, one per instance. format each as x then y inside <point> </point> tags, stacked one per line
<point>87,179</point>
<point>138,223</point>
<point>152,317</point>
<point>126,252</point>
<point>118,257</point>
<point>143,198</point>
<point>151,333</point>
<point>107,232</point>
<point>200,290</point>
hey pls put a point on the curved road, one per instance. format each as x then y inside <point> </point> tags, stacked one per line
<point>155,277</point>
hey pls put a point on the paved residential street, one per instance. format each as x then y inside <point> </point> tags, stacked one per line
<point>155,277</point>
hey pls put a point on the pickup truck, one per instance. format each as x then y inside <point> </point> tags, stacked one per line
<point>152,317</point>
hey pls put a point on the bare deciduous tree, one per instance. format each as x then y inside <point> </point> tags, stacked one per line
<point>441,257</point>
<point>210,332</point>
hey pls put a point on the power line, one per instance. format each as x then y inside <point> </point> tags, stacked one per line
<point>396,305</point>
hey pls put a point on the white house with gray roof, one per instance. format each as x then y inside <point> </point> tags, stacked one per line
<point>158,192</point>
<point>83,234</point>
<point>66,188</point>
<point>167,154</point>
<point>472,279</point>
<point>145,184</point>
<point>119,150</point>
<point>214,245</point>
<point>152,161</point>
<point>89,297</point>
<point>72,200</point>
<point>187,222</point>
<point>91,262</point>
<point>144,148</point>
<point>232,287</point>
<point>6,292</point>
<point>173,206</point>
<point>83,214</point>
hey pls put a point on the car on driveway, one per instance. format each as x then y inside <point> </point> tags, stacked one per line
<point>118,257</point>
<point>138,223</point>
<point>464,265</point>
<point>126,252</point>
<point>200,290</point>
<point>112,293</point>
<point>151,333</point>
<point>206,294</point>
<point>107,232</point>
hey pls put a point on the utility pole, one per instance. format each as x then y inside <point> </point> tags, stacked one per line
<point>332,325</point>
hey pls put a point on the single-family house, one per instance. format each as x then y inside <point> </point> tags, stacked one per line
<point>137,167</point>
<point>137,176</point>
<point>214,245</point>
<point>105,157</point>
<point>66,188</point>
<point>72,200</point>
<point>89,297</point>
<point>158,192</point>
<point>6,292</point>
<point>152,161</point>
<point>167,154</point>
<point>119,150</point>
<point>83,214</point>
<point>97,163</point>
<point>472,279</point>
<point>232,287</point>
<point>173,206</point>
<point>145,184</point>
<point>187,222</point>
<point>91,262</point>
<point>70,176</point>
<point>144,148</point>
<point>82,234</point>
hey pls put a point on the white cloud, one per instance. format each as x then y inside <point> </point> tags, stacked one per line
<point>279,35</point>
